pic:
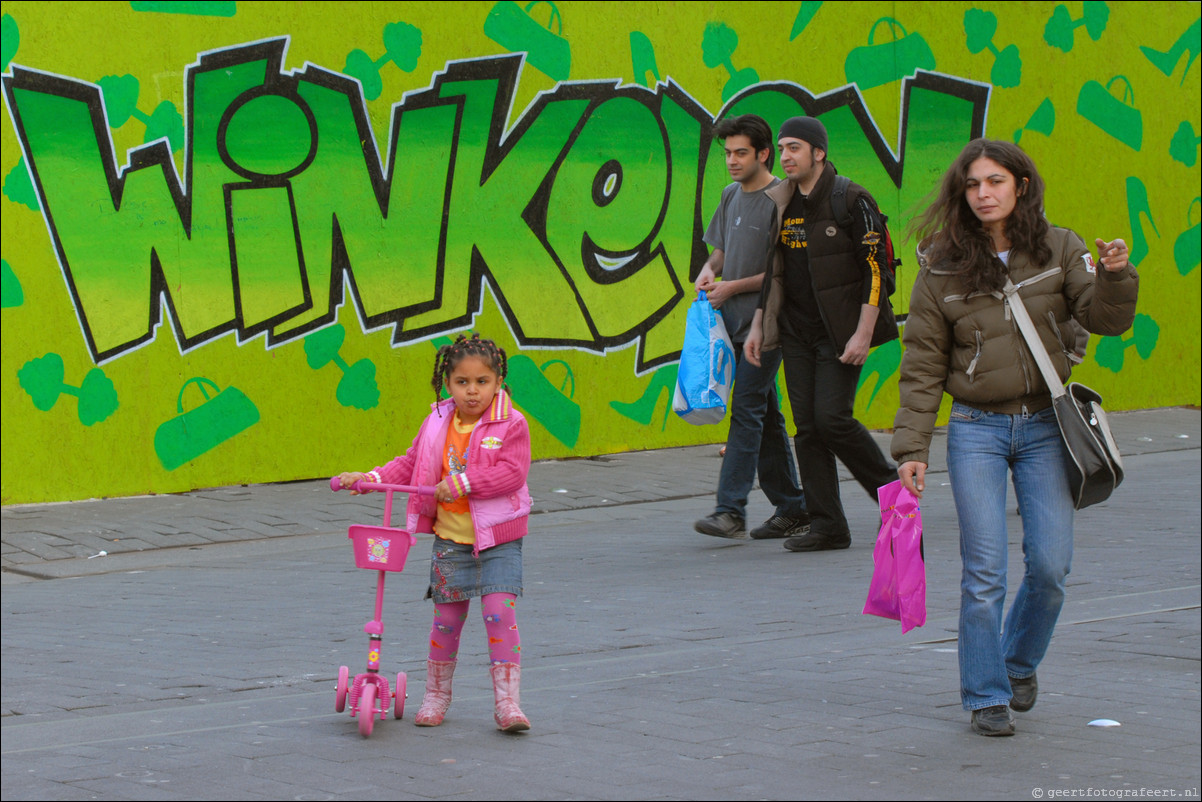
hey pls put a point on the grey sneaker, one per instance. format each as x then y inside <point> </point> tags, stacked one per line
<point>1023,692</point>
<point>722,524</point>
<point>993,721</point>
<point>782,526</point>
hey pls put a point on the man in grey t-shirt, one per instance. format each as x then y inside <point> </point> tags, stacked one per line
<point>741,237</point>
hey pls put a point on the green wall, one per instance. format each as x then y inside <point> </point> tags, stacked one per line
<point>234,233</point>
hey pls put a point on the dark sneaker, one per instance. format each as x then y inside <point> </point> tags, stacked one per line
<point>782,526</point>
<point>722,524</point>
<point>994,720</point>
<point>818,541</point>
<point>1023,692</point>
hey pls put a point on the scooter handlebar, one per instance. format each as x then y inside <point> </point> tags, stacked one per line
<point>363,486</point>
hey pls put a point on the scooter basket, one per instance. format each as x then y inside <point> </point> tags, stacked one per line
<point>380,548</point>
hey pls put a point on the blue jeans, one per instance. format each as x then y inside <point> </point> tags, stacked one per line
<point>982,448</point>
<point>758,441</point>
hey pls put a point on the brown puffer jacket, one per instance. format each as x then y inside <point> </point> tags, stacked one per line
<point>969,346</point>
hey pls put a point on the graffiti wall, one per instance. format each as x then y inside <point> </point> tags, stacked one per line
<point>234,233</point>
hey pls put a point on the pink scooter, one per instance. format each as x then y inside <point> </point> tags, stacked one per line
<point>381,549</point>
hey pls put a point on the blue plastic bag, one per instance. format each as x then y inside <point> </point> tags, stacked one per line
<point>707,366</point>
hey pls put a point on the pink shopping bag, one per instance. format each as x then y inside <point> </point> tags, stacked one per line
<point>899,581</point>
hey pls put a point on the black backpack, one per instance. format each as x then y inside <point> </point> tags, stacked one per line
<point>890,262</point>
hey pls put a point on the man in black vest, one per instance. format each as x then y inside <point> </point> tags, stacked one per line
<point>825,306</point>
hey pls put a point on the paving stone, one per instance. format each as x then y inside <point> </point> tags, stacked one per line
<point>659,664</point>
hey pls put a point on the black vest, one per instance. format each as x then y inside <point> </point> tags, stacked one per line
<point>834,271</point>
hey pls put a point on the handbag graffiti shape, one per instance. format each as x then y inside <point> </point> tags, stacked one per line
<point>876,64</point>
<point>538,396</point>
<point>190,434</point>
<point>1119,118</point>
<point>510,26</point>
<point>707,366</point>
<point>1187,249</point>
<point>899,579</point>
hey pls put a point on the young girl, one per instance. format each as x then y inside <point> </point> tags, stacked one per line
<point>476,448</point>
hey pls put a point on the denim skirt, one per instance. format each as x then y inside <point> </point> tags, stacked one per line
<point>457,575</point>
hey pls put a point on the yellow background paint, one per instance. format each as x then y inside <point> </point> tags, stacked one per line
<point>586,401</point>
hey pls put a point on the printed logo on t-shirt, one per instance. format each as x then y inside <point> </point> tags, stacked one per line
<point>456,464</point>
<point>793,233</point>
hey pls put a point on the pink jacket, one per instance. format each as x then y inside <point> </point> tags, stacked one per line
<point>494,482</point>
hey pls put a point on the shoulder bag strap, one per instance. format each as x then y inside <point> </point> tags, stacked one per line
<point>1034,344</point>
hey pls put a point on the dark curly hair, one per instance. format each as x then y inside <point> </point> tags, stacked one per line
<point>957,237</point>
<point>451,355</point>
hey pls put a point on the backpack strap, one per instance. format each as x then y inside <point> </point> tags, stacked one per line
<point>840,207</point>
<point>839,201</point>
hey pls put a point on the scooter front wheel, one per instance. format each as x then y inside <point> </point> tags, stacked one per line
<point>343,683</point>
<point>367,709</point>
<point>398,701</point>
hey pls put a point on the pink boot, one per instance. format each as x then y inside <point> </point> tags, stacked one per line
<point>438,693</point>
<point>506,679</point>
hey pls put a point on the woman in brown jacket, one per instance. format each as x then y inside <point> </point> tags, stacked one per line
<point>985,225</point>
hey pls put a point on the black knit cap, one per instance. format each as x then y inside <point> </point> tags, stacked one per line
<point>807,129</point>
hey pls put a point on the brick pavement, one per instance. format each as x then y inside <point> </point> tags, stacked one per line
<point>197,659</point>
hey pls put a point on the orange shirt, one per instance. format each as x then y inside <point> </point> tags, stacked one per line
<point>454,521</point>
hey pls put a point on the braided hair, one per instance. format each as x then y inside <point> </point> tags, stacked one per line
<point>451,355</point>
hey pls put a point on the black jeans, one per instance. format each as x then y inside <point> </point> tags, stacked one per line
<point>822,393</point>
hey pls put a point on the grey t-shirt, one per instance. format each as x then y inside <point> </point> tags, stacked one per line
<point>741,229</point>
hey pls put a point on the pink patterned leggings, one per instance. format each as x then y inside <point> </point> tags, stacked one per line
<point>500,622</point>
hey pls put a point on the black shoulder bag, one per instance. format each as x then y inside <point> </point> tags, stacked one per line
<point>1095,467</point>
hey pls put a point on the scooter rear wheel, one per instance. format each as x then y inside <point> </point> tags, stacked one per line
<point>343,683</point>
<point>398,700</point>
